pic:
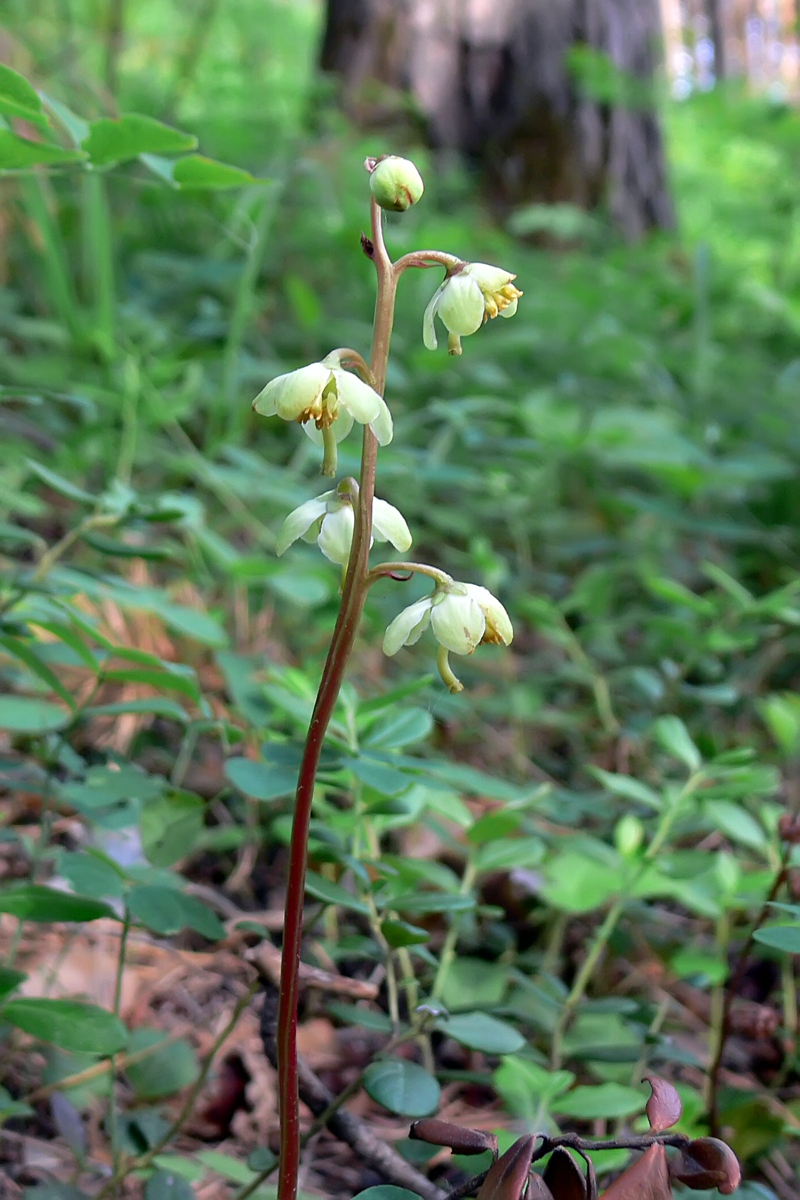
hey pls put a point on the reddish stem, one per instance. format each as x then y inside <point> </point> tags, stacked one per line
<point>353,597</point>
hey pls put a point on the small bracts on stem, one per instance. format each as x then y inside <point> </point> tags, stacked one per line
<point>329,521</point>
<point>470,295</point>
<point>326,399</point>
<point>461,615</point>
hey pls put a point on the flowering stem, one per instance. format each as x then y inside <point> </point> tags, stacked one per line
<point>408,568</point>
<point>353,596</point>
<point>429,258</point>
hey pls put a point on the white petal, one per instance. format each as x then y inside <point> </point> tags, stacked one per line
<point>510,309</point>
<point>264,402</point>
<point>336,535</point>
<point>295,393</point>
<point>390,525</point>
<point>300,521</point>
<point>407,627</point>
<point>461,306</point>
<point>428,325</point>
<point>458,623</point>
<point>341,427</point>
<point>361,400</point>
<point>488,279</point>
<point>498,622</point>
<point>382,425</point>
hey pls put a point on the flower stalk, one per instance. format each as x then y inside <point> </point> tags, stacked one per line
<point>353,596</point>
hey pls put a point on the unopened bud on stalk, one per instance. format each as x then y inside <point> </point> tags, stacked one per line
<point>396,183</point>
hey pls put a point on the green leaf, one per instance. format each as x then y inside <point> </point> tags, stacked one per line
<point>505,854</point>
<point>34,902</point>
<point>10,981</point>
<point>386,1191</point>
<point>606,1100</point>
<point>157,706</point>
<point>68,1023</point>
<point>54,1191</point>
<point>401,933</point>
<point>178,1165</point>
<point>261,1159</point>
<point>401,728</point>
<point>401,1086</point>
<point>736,822</point>
<point>472,982</point>
<point>21,714</point>
<point>90,873</point>
<point>196,171</point>
<point>166,1070</point>
<point>9,1107</point>
<point>673,735</point>
<point>18,154</point>
<point>59,484</point>
<point>627,787</point>
<point>171,826</point>
<point>333,893</point>
<point>480,1031</point>
<point>354,1014</point>
<point>111,141</point>
<point>18,97</point>
<point>226,1165</point>
<point>167,1185</point>
<point>262,781</point>
<point>27,655</point>
<point>386,780</point>
<point>165,910</point>
<point>175,681</point>
<point>432,902</point>
<point>780,937</point>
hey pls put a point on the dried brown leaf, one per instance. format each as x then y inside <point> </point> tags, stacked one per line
<point>664,1107</point>
<point>508,1177</point>
<point>457,1137</point>
<point>646,1179</point>
<point>563,1176</point>
<point>707,1163</point>
<point>538,1189</point>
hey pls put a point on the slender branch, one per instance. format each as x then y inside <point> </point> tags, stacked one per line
<point>353,597</point>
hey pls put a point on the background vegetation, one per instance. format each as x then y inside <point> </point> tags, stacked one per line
<point>586,836</point>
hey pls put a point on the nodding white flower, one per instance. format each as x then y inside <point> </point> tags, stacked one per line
<point>329,521</point>
<point>461,615</point>
<point>466,299</point>
<point>325,396</point>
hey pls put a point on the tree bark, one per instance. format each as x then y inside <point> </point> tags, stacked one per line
<point>491,79</point>
<point>716,24</point>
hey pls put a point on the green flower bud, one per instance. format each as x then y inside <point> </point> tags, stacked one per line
<point>396,183</point>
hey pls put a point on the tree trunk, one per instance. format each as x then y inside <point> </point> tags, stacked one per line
<point>492,79</point>
<point>716,24</point>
